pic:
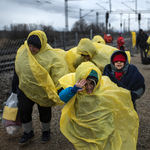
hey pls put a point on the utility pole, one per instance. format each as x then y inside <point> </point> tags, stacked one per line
<point>129,23</point>
<point>80,14</point>
<point>97,20</point>
<point>109,27</point>
<point>110,6</point>
<point>121,22</point>
<point>124,25</point>
<point>135,10</point>
<point>66,15</point>
<point>139,19</point>
<point>107,16</point>
<point>80,18</point>
<point>136,6</point>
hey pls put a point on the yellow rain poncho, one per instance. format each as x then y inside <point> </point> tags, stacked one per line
<point>38,74</point>
<point>148,41</point>
<point>102,120</point>
<point>99,53</point>
<point>70,57</point>
<point>98,39</point>
<point>61,52</point>
<point>110,49</point>
<point>133,38</point>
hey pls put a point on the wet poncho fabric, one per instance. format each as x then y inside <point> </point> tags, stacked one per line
<point>133,38</point>
<point>38,74</point>
<point>109,50</point>
<point>99,53</point>
<point>71,56</point>
<point>98,39</point>
<point>102,120</point>
<point>148,48</point>
<point>148,40</point>
<point>60,52</point>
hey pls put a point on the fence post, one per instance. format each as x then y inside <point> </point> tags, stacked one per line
<point>63,40</point>
<point>55,42</point>
<point>131,44</point>
<point>91,34</point>
<point>76,35</point>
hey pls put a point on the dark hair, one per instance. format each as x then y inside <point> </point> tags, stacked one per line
<point>34,40</point>
<point>84,55</point>
<point>140,30</point>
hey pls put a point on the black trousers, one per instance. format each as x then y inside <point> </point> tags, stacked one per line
<point>25,108</point>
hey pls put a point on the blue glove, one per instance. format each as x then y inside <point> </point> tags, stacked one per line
<point>75,89</point>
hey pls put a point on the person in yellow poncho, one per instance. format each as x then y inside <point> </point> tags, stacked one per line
<point>89,52</point>
<point>102,116</point>
<point>98,39</point>
<point>37,70</point>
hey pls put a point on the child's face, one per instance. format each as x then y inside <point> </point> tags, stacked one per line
<point>89,86</point>
<point>34,50</point>
<point>87,57</point>
<point>119,64</point>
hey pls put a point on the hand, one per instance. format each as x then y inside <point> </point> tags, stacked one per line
<point>81,84</point>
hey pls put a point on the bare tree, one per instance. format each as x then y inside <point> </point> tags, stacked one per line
<point>79,26</point>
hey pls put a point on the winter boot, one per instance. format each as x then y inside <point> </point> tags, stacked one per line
<point>45,136</point>
<point>28,133</point>
<point>26,138</point>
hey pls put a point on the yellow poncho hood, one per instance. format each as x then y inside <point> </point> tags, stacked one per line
<point>38,74</point>
<point>86,47</point>
<point>98,39</point>
<point>102,120</point>
<point>70,57</point>
<point>99,54</point>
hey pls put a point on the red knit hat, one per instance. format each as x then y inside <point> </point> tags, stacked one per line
<point>119,57</point>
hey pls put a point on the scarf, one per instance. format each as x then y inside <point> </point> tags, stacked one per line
<point>118,75</point>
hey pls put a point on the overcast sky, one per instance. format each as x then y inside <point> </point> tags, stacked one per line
<point>52,12</point>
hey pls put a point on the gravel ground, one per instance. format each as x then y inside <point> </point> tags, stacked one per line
<point>59,142</point>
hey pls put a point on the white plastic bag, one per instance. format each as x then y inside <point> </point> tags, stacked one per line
<point>12,126</point>
<point>12,101</point>
<point>10,108</point>
<point>13,129</point>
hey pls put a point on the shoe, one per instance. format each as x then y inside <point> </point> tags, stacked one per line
<point>26,138</point>
<point>45,136</point>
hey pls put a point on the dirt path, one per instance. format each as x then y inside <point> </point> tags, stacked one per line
<point>59,142</point>
<point>143,106</point>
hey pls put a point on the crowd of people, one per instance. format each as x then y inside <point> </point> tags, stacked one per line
<point>95,83</point>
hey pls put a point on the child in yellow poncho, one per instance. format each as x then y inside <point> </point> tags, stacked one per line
<point>98,114</point>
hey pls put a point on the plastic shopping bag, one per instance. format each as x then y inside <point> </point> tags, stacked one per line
<point>10,108</point>
<point>10,118</point>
